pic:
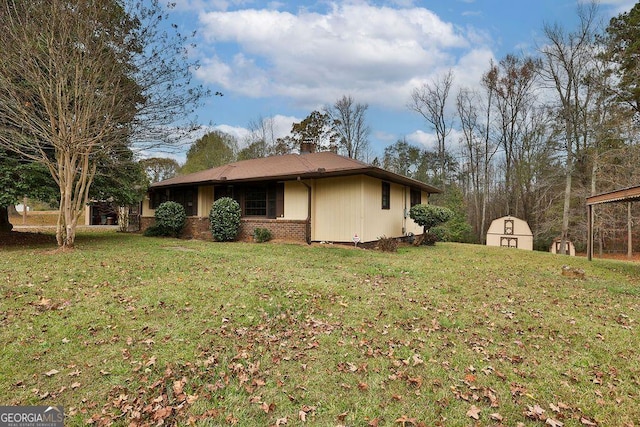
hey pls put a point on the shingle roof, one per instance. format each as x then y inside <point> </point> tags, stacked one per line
<point>290,167</point>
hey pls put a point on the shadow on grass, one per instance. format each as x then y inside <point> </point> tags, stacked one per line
<point>24,239</point>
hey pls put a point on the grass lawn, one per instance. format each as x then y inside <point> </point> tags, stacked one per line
<point>138,331</point>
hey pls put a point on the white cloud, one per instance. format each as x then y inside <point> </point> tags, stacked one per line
<point>373,53</point>
<point>281,128</point>
<point>424,139</point>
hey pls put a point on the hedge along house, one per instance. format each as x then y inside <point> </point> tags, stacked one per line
<point>510,232</point>
<point>302,197</point>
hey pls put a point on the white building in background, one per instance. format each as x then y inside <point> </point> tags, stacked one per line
<point>510,232</point>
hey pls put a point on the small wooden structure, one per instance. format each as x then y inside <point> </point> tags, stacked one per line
<point>555,247</point>
<point>510,232</point>
<point>625,195</point>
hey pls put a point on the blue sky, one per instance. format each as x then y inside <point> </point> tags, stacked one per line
<point>284,59</point>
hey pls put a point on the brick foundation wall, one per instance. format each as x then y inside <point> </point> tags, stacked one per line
<point>281,229</point>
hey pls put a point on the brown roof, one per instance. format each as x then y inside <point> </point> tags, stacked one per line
<point>290,167</point>
<point>630,194</point>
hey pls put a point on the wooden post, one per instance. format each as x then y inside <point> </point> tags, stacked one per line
<point>24,210</point>
<point>629,227</point>
<point>589,232</point>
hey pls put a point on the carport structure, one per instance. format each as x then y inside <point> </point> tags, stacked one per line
<point>628,195</point>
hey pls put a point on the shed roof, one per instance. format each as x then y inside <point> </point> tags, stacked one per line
<point>290,167</point>
<point>629,194</point>
<point>521,227</point>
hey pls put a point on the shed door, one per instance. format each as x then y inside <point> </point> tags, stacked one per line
<point>509,242</point>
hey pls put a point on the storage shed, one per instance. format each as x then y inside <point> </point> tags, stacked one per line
<point>555,247</point>
<point>510,232</point>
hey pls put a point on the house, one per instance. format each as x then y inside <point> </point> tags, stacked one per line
<point>311,197</point>
<point>510,232</point>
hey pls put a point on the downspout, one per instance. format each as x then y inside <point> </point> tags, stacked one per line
<point>404,212</point>
<point>308,226</point>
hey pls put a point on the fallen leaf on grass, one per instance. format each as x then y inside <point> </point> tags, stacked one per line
<point>268,407</point>
<point>587,422</point>
<point>496,417</point>
<point>474,412</point>
<point>162,413</point>
<point>553,423</point>
<point>417,360</point>
<point>535,412</point>
<point>51,372</point>
<point>178,386</point>
<point>404,420</point>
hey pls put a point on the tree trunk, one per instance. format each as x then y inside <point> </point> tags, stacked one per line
<point>566,209</point>
<point>5,225</point>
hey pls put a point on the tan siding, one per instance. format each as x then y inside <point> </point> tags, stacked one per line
<point>344,207</point>
<point>205,200</point>
<point>383,222</point>
<point>296,201</point>
<point>146,210</point>
<point>337,209</point>
<point>411,226</point>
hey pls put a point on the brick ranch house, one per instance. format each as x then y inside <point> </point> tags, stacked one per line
<point>311,197</point>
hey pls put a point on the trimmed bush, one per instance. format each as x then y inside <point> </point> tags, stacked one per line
<point>429,216</point>
<point>170,220</point>
<point>225,219</point>
<point>155,231</point>
<point>261,235</point>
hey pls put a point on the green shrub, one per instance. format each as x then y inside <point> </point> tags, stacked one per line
<point>225,219</point>
<point>429,216</point>
<point>262,235</point>
<point>170,220</point>
<point>156,231</point>
<point>388,244</point>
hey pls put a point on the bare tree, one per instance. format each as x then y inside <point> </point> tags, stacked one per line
<point>79,77</point>
<point>479,149</point>
<point>567,60</point>
<point>466,105</point>
<point>430,101</point>
<point>262,140</point>
<point>511,82</point>
<point>350,126</point>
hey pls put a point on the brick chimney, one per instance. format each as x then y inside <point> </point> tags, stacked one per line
<point>307,147</point>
